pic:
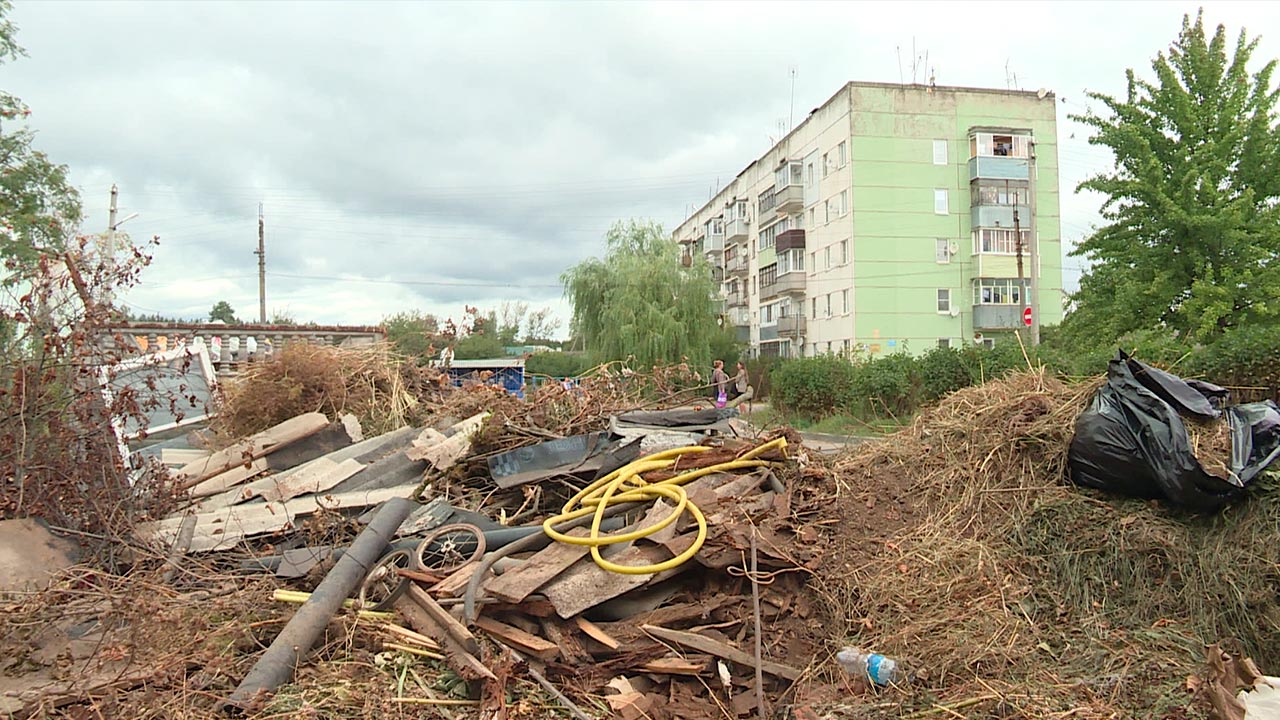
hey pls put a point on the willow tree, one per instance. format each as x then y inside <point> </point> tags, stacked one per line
<point>1193,203</point>
<point>640,301</point>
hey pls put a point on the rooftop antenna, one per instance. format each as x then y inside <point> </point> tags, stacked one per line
<point>915,59</point>
<point>792,122</point>
<point>901,81</point>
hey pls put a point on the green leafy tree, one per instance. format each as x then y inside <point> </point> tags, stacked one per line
<point>224,312</point>
<point>413,332</point>
<point>39,209</point>
<point>479,346</point>
<point>641,301</point>
<point>1193,204</point>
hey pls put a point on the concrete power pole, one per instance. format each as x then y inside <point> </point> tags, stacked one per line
<point>261,252</point>
<point>1035,244</point>
<point>111,216</point>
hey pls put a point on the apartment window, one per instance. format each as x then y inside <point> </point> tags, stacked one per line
<point>842,154</point>
<point>829,207</point>
<point>941,205</point>
<point>944,300</point>
<point>844,203</point>
<point>1006,193</point>
<point>808,175</point>
<point>790,261</point>
<point>999,145</point>
<point>815,317</point>
<point>988,343</point>
<point>939,152</point>
<point>769,235</point>
<point>812,214</point>
<point>828,305</point>
<point>828,347</point>
<point>997,291</point>
<point>944,343</point>
<point>826,165</point>
<point>845,346</point>
<point>768,275</point>
<point>998,241</point>
<point>827,260</point>
<point>844,252</point>
<point>768,200</point>
<point>942,251</point>
<point>844,301</point>
<point>813,261</point>
<point>766,315</point>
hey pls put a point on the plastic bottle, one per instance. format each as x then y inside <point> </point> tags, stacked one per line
<point>876,668</point>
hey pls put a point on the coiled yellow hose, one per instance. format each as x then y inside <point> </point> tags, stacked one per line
<point>626,484</point>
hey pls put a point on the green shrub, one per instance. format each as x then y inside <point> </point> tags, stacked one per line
<point>1241,357</point>
<point>887,385</point>
<point>942,371</point>
<point>813,387</point>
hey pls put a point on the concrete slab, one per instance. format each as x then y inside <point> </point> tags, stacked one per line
<point>30,554</point>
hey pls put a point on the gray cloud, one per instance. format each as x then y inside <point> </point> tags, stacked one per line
<point>489,143</point>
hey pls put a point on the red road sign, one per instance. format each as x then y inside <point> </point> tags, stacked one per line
<point>1026,317</point>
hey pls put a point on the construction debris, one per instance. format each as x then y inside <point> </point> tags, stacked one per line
<point>619,548</point>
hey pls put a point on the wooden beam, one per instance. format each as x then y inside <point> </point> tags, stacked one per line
<point>702,643</point>
<point>420,620</point>
<point>692,665</point>
<point>519,639</point>
<point>441,617</point>
<point>226,480</point>
<point>252,448</point>
<point>516,584</point>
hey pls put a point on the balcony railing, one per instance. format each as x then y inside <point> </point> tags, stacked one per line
<point>735,299</point>
<point>736,230</point>
<point>789,199</point>
<point>786,283</point>
<point>230,346</point>
<point>997,317</point>
<point>736,265</point>
<point>789,240</point>
<point>989,216</point>
<point>998,168</point>
<point>791,326</point>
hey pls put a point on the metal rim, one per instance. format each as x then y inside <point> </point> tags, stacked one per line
<point>383,585</point>
<point>440,553</point>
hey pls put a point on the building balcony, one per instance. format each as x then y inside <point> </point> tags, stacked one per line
<point>735,299</point>
<point>789,240</point>
<point>736,265</point>
<point>789,200</point>
<point>998,168</point>
<point>792,282</point>
<point>997,317</point>
<point>1001,216</point>
<point>791,326</point>
<point>736,230</point>
<point>714,241</point>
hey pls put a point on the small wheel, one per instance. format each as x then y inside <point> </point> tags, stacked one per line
<point>449,548</point>
<point>383,584</point>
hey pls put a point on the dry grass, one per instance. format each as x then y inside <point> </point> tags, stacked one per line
<point>1038,597</point>
<point>370,382</point>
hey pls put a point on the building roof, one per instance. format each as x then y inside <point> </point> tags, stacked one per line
<point>488,363</point>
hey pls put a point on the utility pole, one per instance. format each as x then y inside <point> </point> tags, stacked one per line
<point>111,217</point>
<point>1017,240</point>
<point>1035,243</point>
<point>262,268</point>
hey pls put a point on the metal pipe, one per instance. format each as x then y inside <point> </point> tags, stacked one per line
<point>277,664</point>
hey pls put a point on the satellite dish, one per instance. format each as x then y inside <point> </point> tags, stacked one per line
<point>1042,92</point>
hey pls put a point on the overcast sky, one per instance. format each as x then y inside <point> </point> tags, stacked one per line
<point>431,155</point>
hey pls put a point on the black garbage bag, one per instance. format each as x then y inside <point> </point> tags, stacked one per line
<point>1132,439</point>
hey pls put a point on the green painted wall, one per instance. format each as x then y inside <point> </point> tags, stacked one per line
<point>893,223</point>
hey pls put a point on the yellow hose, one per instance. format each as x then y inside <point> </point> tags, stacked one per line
<point>626,484</point>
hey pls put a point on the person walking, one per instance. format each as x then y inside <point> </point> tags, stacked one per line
<point>741,381</point>
<point>720,383</point>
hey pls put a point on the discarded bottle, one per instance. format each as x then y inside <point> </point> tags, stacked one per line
<point>876,668</point>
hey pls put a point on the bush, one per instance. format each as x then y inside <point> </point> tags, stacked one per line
<point>557,364</point>
<point>1242,357</point>
<point>942,371</point>
<point>813,387</point>
<point>887,385</point>
<point>760,371</point>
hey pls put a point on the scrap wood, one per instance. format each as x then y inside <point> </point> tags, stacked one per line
<point>519,639</point>
<point>586,584</point>
<point>453,585</point>
<point>226,480</point>
<point>517,584</point>
<point>466,664</point>
<point>441,617</point>
<point>225,528</point>
<point>318,476</point>
<point>674,665</point>
<point>441,452</point>
<point>629,703</point>
<point>273,438</point>
<point>408,635</point>
<point>705,644</point>
<point>596,633</point>
<point>571,650</point>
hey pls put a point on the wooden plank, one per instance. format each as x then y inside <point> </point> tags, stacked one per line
<point>702,643</point>
<point>182,456</point>
<point>225,528</point>
<point>441,617</point>
<point>596,633</point>
<point>254,447</point>
<point>421,621</point>
<point>229,479</point>
<point>519,639</point>
<point>692,665</point>
<point>519,583</point>
<point>456,583</point>
<point>319,477</point>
